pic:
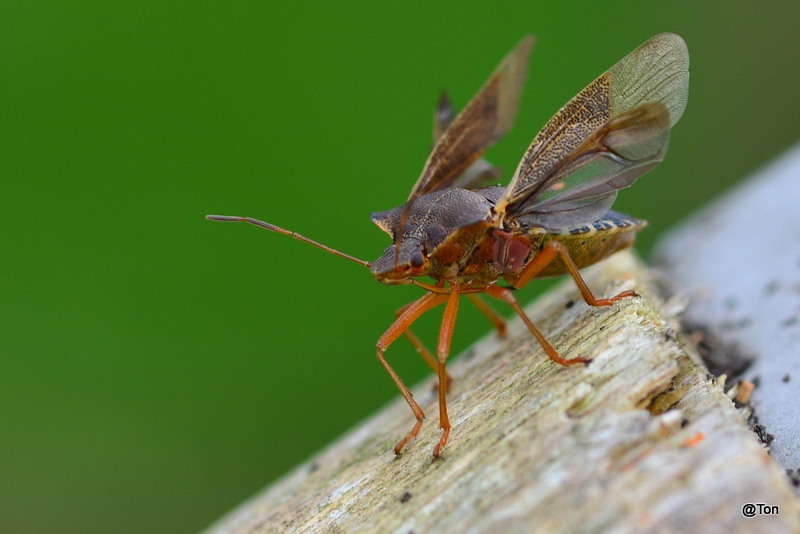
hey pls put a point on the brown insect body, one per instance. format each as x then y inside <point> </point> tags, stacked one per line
<point>441,233</point>
<point>449,236</point>
<point>552,219</point>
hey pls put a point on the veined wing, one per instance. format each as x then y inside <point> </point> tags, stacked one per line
<point>487,117</point>
<point>480,171</point>
<point>607,136</point>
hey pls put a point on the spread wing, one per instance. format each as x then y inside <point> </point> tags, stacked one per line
<point>603,140</point>
<point>480,171</point>
<point>487,118</point>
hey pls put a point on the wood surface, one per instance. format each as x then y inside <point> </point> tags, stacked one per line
<point>642,439</point>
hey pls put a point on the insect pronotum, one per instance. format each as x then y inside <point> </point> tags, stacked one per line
<point>553,218</point>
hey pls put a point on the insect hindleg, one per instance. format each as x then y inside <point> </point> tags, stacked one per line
<point>401,324</point>
<point>547,255</point>
<point>505,294</point>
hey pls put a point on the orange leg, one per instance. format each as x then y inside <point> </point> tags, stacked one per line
<point>401,324</point>
<point>498,322</point>
<point>422,349</point>
<point>506,295</point>
<point>547,255</point>
<point>442,351</point>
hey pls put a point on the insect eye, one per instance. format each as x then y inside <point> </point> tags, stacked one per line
<point>417,260</point>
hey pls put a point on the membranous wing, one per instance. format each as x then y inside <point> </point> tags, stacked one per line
<point>480,171</point>
<point>443,117</point>
<point>487,118</point>
<point>603,140</point>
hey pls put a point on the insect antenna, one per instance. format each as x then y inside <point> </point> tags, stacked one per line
<point>268,226</point>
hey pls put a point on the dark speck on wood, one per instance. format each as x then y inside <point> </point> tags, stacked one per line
<point>772,287</point>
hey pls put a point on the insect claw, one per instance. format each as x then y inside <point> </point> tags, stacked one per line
<point>624,294</point>
<point>398,449</point>
<point>573,361</point>
<point>437,452</point>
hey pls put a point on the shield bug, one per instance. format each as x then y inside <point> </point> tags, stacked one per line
<point>552,219</point>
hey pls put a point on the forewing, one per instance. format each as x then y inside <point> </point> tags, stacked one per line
<point>480,171</point>
<point>612,158</point>
<point>487,117</point>
<point>607,136</point>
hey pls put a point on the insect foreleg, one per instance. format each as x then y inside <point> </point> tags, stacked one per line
<point>422,349</point>
<point>401,324</point>
<point>549,254</point>
<point>498,322</point>
<point>442,351</point>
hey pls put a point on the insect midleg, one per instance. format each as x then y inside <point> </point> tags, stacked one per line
<point>505,294</point>
<point>400,325</point>
<point>547,255</point>
<point>442,351</point>
<point>422,349</point>
<point>498,322</point>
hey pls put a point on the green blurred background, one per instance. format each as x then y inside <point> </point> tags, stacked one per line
<point>155,368</point>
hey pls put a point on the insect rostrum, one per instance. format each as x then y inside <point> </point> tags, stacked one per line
<point>553,218</point>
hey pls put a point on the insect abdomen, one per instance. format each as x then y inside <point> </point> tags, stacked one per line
<point>593,242</point>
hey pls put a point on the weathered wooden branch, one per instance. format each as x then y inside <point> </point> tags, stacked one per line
<point>640,440</point>
<point>737,261</point>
